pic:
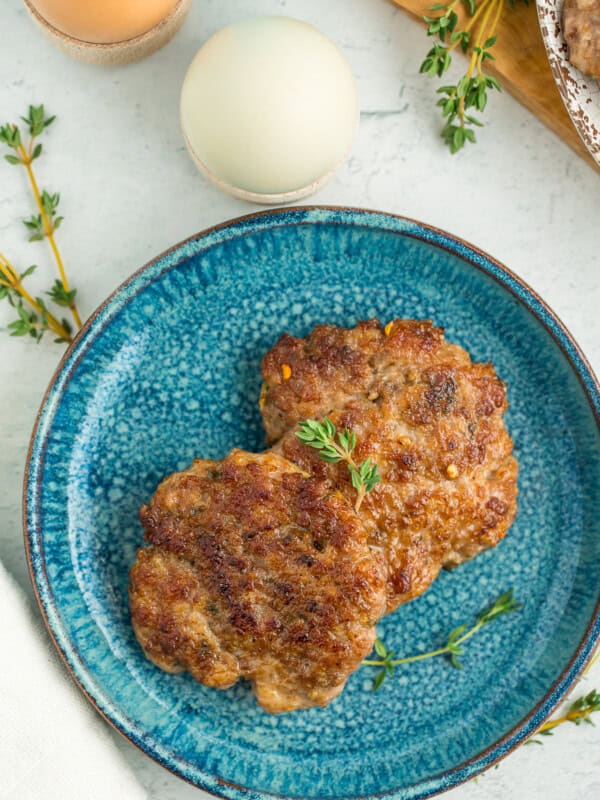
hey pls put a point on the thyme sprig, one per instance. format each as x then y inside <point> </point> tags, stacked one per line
<point>579,711</point>
<point>335,446</point>
<point>40,226</point>
<point>470,93</point>
<point>504,604</point>
<point>35,320</point>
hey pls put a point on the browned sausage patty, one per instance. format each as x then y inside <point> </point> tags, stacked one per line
<point>430,418</point>
<point>581,26</point>
<point>260,571</point>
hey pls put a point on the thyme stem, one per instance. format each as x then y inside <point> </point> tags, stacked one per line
<point>504,604</point>
<point>594,660</point>
<point>345,456</point>
<point>431,654</point>
<point>26,158</point>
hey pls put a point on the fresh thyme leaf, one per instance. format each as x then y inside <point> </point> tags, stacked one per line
<point>36,120</point>
<point>380,648</point>
<point>357,481</point>
<point>10,135</point>
<point>50,202</point>
<point>61,297</point>
<point>35,224</point>
<point>28,323</point>
<point>335,446</point>
<point>379,679</point>
<point>504,604</point>
<point>371,475</point>
<point>454,659</point>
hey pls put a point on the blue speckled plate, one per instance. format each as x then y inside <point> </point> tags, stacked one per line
<point>168,369</point>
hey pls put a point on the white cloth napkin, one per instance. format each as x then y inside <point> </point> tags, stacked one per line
<point>53,745</point>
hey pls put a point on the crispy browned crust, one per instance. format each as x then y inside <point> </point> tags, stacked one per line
<point>260,571</point>
<point>581,28</point>
<point>333,366</point>
<point>432,421</point>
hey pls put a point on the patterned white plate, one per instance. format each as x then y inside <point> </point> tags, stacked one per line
<point>581,95</point>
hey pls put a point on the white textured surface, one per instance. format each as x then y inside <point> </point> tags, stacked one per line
<point>129,191</point>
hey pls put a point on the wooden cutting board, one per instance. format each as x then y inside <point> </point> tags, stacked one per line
<point>521,67</point>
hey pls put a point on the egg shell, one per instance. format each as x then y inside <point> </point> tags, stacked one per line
<point>111,53</point>
<point>103,21</point>
<point>269,108</point>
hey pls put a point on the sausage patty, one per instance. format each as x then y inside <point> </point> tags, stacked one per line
<point>426,415</point>
<point>256,570</point>
<point>581,26</point>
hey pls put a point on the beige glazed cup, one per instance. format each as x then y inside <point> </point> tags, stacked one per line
<point>120,52</point>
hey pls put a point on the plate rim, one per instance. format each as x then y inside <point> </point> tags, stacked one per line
<point>478,259</point>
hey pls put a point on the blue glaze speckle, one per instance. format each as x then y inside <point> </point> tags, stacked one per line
<point>168,369</point>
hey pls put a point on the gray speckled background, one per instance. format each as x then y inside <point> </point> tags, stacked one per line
<point>129,191</point>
